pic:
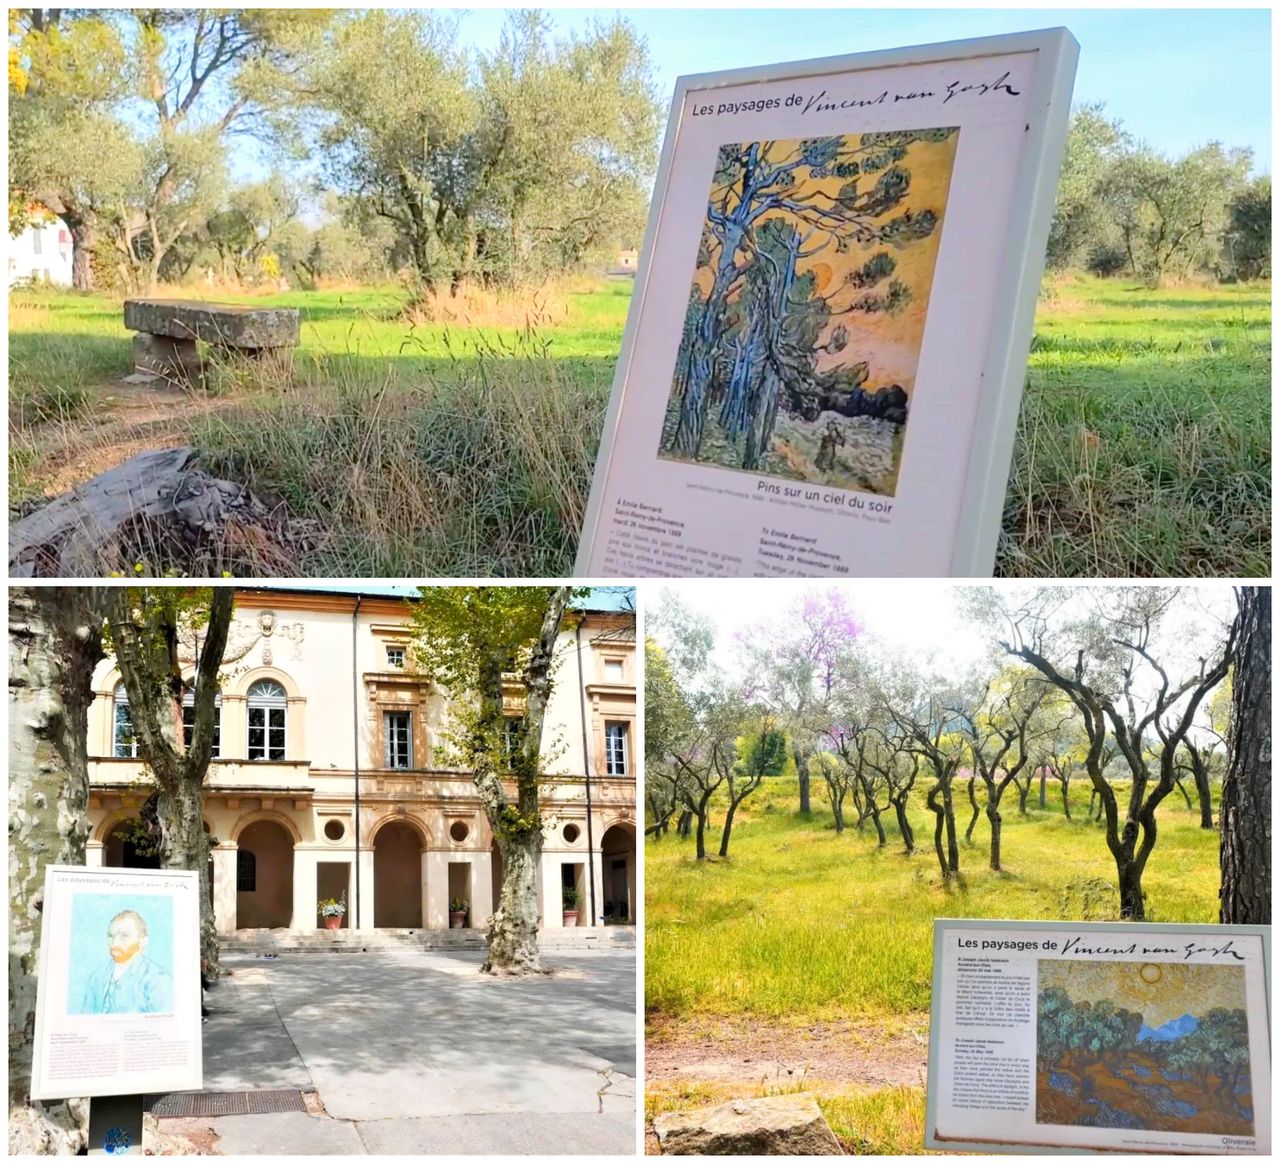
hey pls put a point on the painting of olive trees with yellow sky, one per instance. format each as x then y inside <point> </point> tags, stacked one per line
<point>807,311</point>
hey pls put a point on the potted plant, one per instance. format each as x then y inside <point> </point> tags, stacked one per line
<point>332,911</point>
<point>458,913</point>
<point>570,898</point>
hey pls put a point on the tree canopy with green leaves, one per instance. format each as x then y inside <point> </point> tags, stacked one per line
<point>519,160</point>
<point>477,642</point>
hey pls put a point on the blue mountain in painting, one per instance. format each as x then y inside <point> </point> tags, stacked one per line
<point>1174,1029</point>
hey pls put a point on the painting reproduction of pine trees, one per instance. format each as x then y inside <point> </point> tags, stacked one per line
<point>807,310</point>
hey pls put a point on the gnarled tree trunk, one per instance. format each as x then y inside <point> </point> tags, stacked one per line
<point>152,672</point>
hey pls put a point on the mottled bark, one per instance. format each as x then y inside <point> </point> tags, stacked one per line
<point>904,825</point>
<point>1200,777</point>
<point>55,641</point>
<point>1245,812</point>
<point>949,815</point>
<point>873,808</point>
<point>513,928</point>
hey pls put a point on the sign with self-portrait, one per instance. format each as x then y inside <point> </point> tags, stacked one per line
<point>118,1000</point>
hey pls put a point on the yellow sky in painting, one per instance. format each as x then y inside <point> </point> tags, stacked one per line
<point>888,343</point>
<point>1160,991</point>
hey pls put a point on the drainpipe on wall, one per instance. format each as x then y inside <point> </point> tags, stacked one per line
<point>355,739</point>
<point>586,767</point>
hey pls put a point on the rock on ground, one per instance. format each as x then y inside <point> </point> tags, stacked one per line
<point>779,1125</point>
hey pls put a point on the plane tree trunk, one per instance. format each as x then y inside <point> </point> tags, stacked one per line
<point>517,827</point>
<point>144,635</point>
<point>55,641</point>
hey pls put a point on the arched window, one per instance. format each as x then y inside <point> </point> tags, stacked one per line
<point>268,706</point>
<point>189,721</point>
<point>123,743</point>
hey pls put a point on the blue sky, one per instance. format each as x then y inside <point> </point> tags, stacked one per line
<point>1176,77</point>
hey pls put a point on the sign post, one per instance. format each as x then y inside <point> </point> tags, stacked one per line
<point>1099,1036</point>
<point>825,352</point>
<point>118,1000</point>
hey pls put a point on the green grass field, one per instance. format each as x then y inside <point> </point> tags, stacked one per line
<point>802,924</point>
<point>465,449</point>
<point>802,927</point>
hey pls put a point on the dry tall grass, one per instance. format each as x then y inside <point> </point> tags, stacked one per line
<point>483,471</point>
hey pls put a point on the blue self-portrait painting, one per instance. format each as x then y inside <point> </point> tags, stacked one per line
<point>121,954</point>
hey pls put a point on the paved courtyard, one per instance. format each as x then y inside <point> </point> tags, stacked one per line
<point>411,1052</point>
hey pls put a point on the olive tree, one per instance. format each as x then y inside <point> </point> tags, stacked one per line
<point>1121,656</point>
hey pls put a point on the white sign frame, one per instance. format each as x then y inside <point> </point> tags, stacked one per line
<point>1107,941</point>
<point>131,1050</point>
<point>1000,383</point>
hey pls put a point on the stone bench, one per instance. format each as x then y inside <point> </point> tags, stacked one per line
<point>169,328</point>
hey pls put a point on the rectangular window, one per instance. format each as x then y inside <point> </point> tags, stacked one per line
<point>37,240</point>
<point>125,745</point>
<point>512,729</point>
<point>615,749</point>
<point>395,657</point>
<point>613,670</point>
<point>266,733</point>
<point>398,737</point>
<point>189,726</point>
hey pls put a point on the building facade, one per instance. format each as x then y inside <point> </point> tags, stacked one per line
<point>41,252</point>
<point>331,776</point>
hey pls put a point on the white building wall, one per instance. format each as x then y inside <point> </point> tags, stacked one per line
<point>42,252</point>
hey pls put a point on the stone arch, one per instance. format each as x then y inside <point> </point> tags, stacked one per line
<point>398,843</point>
<point>119,852</point>
<point>106,686</point>
<point>618,872</point>
<point>419,829</point>
<point>265,814</point>
<point>264,873</point>
<point>241,684</point>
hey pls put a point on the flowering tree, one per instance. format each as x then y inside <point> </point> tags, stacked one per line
<point>794,668</point>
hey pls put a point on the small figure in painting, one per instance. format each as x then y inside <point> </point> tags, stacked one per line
<point>832,439</point>
<point>131,983</point>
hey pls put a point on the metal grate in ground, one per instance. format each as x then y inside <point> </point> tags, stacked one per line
<point>223,1103</point>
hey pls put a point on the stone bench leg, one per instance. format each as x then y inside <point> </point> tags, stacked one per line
<point>174,359</point>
